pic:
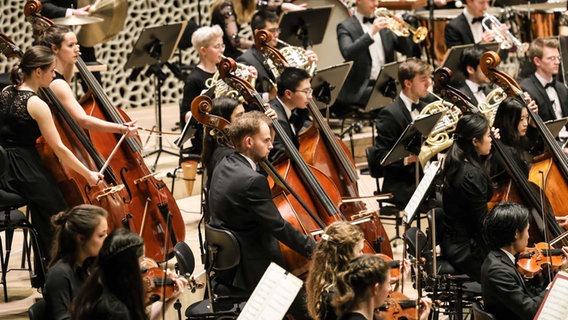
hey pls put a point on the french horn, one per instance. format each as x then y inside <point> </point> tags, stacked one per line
<point>224,90</point>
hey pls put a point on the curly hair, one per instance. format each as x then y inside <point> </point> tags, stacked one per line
<point>331,256</point>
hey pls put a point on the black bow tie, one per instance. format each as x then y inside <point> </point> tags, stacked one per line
<point>477,20</point>
<point>550,84</point>
<point>481,89</point>
<point>415,106</point>
<point>368,19</point>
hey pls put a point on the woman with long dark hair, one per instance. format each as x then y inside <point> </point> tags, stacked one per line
<point>467,189</point>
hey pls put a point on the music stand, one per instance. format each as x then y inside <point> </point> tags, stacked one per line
<point>386,88</point>
<point>305,27</point>
<point>452,60</point>
<point>555,126</point>
<point>563,47</point>
<point>154,47</point>
<point>327,82</point>
<point>410,141</point>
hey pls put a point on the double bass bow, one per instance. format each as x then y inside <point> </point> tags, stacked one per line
<point>323,150</point>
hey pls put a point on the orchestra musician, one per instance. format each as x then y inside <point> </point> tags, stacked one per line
<point>550,95</point>
<point>115,290</point>
<point>240,201</point>
<point>208,42</point>
<point>63,42</point>
<point>400,177</point>
<point>367,41</point>
<point>467,28</point>
<point>24,118</point>
<point>79,235</point>
<point>294,94</point>
<point>505,295</point>
<point>363,287</point>
<point>467,189</point>
<point>475,86</point>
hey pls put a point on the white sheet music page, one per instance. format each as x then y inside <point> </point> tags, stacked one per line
<point>554,306</point>
<point>423,186</point>
<point>272,296</point>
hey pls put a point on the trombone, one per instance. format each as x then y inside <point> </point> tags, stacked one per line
<point>402,28</point>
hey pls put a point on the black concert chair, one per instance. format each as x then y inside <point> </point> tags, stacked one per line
<point>480,314</point>
<point>456,291</point>
<point>185,259</point>
<point>11,220</point>
<point>223,254</point>
<point>387,212</point>
<point>38,311</point>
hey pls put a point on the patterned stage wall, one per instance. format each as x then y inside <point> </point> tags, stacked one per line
<point>114,53</point>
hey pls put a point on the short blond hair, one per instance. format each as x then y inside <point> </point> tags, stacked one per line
<point>203,36</point>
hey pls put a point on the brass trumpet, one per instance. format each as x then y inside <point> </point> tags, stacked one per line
<point>402,29</point>
<point>505,37</point>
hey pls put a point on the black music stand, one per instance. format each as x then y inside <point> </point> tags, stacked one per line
<point>410,141</point>
<point>452,60</point>
<point>327,82</point>
<point>154,47</point>
<point>305,27</point>
<point>386,88</point>
<point>555,126</point>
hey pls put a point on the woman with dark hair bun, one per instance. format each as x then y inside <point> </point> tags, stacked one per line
<point>79,235</point>
<point>24,117</point>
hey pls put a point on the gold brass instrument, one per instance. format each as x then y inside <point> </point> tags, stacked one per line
<point>505,37</point>
<point>439,139</point>
<point>297,57</point>
<point>489,107</point>
<point>401,28</point>
<point>224,90</point>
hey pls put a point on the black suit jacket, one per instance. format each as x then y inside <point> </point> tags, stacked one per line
<point>458,32</point>
<point>504,293</point>
<point>399,180</point>
<point>56,8</point>
<point>253,57</point>
<point>354,46</point>
<point>539,95</point>
<point>240,201</point>
<point>278,149</point>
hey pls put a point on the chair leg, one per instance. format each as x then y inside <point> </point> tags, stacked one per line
<point>4,270</point>
<point>26,247</point>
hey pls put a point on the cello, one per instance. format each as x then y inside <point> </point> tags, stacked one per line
<point>75,189</point>
<point>153,210</point>
<point>333,158</point>
<point>550,172</point>
<point>519,189</point>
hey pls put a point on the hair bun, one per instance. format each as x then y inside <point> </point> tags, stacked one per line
<point>60,218</point>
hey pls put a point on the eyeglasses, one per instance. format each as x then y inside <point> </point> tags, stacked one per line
<point>219,46</point>
<point>553,58</point>
<point>307,91</point>
<point>274,30</point>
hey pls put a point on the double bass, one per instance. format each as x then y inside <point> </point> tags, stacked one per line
<point>323,150</point>
<point>153,212</point>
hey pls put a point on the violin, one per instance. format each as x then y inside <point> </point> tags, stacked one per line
<point>533,260</point>
<point>160,285</point>
<point>398,306</point>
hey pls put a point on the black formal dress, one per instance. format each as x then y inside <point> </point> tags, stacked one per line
<point>400,180</point>
<point>505,295</point>
<point>465,205</point>
<point>26,174</point>
<point>240,201</point>
<point>63,282</point>
<point>354,46</point>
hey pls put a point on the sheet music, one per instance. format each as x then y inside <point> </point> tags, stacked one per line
<point>272,296</point>
<point>554,305</point>
<point>421,190</point>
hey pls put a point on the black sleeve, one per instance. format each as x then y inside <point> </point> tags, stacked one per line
<point>350,48</point>
<point>58,293</point>
<point>53,9</point>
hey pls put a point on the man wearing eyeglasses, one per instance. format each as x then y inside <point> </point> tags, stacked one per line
<point>265,82</point>
<point>290,104</point>
<point>550,95</point>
